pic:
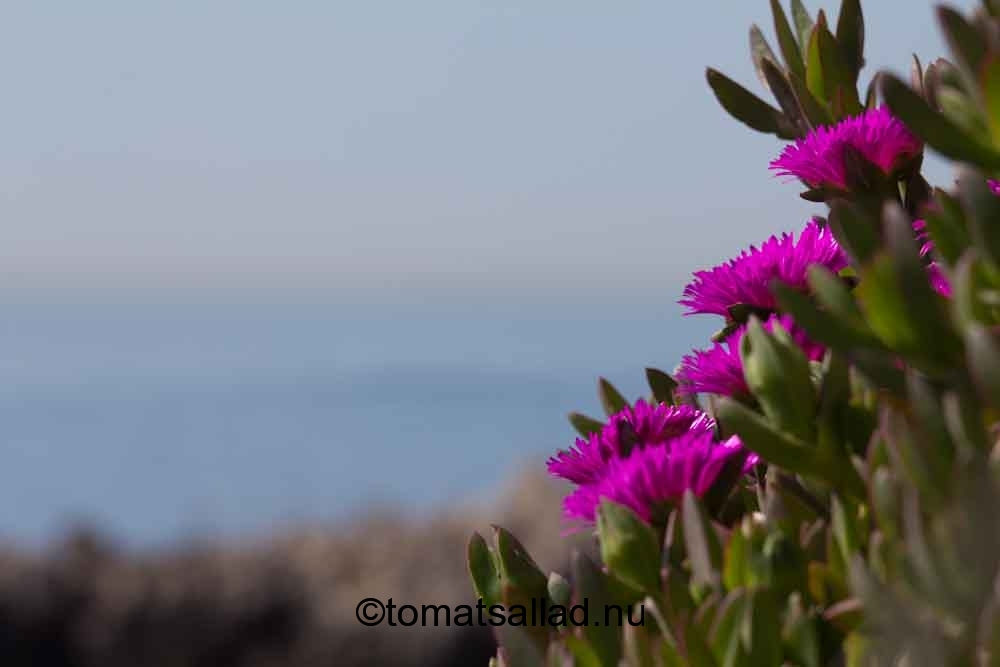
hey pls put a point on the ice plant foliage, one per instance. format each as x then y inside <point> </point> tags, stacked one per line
<point>785,502</point>
<point>746,279</point>
<point>652,480</point>
<point>819,161</point>
<point>638,427</point>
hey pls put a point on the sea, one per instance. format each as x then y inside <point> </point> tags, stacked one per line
<point>180,419</point>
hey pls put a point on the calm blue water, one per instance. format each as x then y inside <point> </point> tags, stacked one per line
<point>171,420</point>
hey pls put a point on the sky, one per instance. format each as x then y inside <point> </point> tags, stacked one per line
<point>389,150</point>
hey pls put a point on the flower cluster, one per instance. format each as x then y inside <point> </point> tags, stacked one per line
<point>646,457</point>
<point>820,161</point>
<point>653,479</point>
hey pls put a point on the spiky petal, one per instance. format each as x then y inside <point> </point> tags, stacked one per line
<point>747,279</point>
<point>650,480</point>
<point>719,369</point>
<point>640,426</point>
<point>818,159</point>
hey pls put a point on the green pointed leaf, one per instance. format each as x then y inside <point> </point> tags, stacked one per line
<point>759,436</point>
<point>803,23</point>
<point>784,450</point>
<point>611,399</point>
<point>592,585</point>
<point>761,629</point>
<point>516,566</point>
<point>814,109</point>
<point>629,547</point>
<point>559,589</point>
<point>947,227</point>
<point>778,374</point>
<point>787,41</point>
<point>760,51</point>
<point>482,569</point>
<point>821,326</point>
<point>800,634</point>
<point>703,548</point>
<point>851,35</point>
<point>963,39</point>
<point>789,102</point>
<point>662,385</point>
<point>936,129</point>
<point>838,80</point>
<point>833,295</point>
<point>584,425</point>
<point>747,108</point>
<point>855,230</point>
<point>724,637</point>
<point>991,93</point>
<point>846,532</point>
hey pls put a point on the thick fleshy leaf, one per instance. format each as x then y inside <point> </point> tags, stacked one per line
<point>584,425</point>
<point>803,23</point>
<point>779,376</point>
<point>724,636</point>
<point>784,450</point>
<point>947,226</point>
<point>703,548</point>
<point>629,547</point>
<point>760,51</point>
<point>789,102</point>
<point>787,41</point>
<point>662,385</point>
<point>482,569</point>
<point>747,108</point>
<point>936,129</point>
<point>516,566</point>
<point>591,584</point>
<point>964,40</point>
<point>559,589</point>
<point>820,325</point>
<point>851,35</point>
<point>855,230</point>
<point>611,399</point>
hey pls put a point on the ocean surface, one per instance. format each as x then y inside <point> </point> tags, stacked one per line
<point>171,421</point>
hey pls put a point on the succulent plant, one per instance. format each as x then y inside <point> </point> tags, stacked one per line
<point>860,523</point>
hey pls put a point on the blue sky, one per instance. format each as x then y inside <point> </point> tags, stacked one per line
<point>401,149</point>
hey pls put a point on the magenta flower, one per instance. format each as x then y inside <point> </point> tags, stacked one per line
<point>995,186</point>
<point>747,278</point>
<point>643,425</point>
<point>818,159</point>
<point>939,281</point>
<point>719,369</point>
<point>652,479</point>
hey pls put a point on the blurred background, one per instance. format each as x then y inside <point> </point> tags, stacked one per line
<point>276,278</point>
